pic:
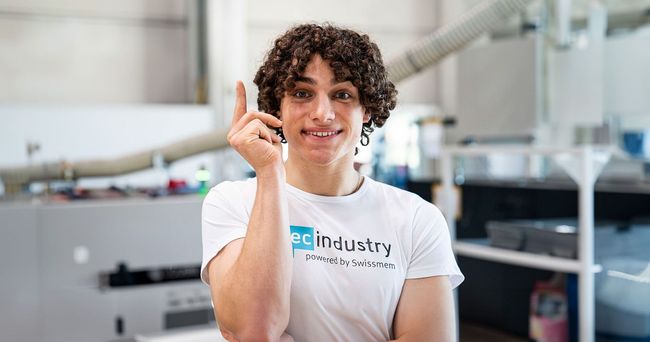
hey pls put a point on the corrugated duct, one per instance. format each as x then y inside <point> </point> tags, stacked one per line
<point>453,37</point>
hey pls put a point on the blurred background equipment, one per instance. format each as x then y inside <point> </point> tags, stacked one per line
<point>113,127</point>
<point>425,53</point>
<point>101,270</point>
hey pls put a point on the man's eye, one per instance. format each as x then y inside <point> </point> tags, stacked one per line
<point>300,94</point>
<point>343,95</point>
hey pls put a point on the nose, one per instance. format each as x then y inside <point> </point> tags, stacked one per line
<point>323,110</point>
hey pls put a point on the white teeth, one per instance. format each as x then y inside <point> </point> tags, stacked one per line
<point>322,134</point>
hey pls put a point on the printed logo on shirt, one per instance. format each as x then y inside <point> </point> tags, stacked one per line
<point>310,239</point>
<point>302,238</point>
<point>305,239</point>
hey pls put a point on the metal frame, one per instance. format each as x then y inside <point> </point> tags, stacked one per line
<point>585,179</point>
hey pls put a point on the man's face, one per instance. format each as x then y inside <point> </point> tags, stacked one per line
<point>322,118</point>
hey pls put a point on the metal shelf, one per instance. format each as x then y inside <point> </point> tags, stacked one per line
<point>634,187</point>
<point>583,165</point>
<point>479,249</point>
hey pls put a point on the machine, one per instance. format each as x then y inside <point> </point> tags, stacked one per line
<point>101,270</point>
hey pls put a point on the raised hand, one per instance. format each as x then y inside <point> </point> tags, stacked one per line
<point>252,137</point>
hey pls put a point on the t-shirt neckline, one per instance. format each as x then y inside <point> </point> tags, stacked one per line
<point>330,199</point>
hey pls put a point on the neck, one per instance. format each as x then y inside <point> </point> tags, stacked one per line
<point>324,180</point>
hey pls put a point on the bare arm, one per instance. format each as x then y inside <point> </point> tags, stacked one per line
<point>250,279</point>
<point>425,311</point>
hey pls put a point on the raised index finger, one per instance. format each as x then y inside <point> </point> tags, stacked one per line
<point>240,102</point>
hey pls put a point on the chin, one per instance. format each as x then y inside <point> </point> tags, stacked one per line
<point>324,158</point>
<point>321,159</point>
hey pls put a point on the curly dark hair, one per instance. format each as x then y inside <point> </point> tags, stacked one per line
<point>352,56</point>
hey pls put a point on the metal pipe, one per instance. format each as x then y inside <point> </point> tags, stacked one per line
<point>586,278</point>
<point>110,167</point>
<point>424,53</point>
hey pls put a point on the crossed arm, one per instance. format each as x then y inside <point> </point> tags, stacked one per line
<point>425,311</point>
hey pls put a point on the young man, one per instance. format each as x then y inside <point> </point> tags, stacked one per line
<point>310,249</point>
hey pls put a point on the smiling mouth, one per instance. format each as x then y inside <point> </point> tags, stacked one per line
<point>321,134</point>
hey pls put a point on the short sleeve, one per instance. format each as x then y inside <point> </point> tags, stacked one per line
<point>224,218</point>
<point>431,253</point>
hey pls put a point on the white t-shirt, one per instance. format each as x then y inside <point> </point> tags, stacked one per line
<point>352,253</point>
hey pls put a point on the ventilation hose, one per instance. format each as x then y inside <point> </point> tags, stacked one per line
<point>428,51</point>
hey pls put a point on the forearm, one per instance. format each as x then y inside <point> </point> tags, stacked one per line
<point>255,291</point>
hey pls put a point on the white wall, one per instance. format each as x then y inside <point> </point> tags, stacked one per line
<point>65,51</point>
<point>125,51</point>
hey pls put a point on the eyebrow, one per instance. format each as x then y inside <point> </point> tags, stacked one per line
<point>311,81</point>
<point>306,80</point>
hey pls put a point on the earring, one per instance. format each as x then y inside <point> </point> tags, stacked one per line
<point>365,139</point>
<point>279,132</point>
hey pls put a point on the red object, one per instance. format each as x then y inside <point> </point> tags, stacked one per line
<point>548,314</point>
<point>176,184</point>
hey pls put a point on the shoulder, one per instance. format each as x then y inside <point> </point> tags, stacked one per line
<point>235,186</point>
<point>419,216</point>
<point>402,198</point>
<point>231,191</point>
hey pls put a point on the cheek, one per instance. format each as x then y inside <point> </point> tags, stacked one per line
<point>357,133</point>
<point>356,128</point>
<point>288,123</point>
<point>293,113</point>
<point>360,117</point>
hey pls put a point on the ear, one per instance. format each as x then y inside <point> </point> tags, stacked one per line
<point>278,113</point>
<point>366,116</point>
